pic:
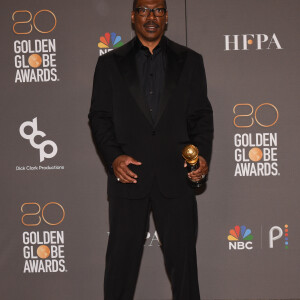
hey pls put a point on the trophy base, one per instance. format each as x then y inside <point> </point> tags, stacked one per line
<point>195,184</point>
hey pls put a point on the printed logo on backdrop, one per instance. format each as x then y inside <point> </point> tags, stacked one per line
<point>246,42</point>
<point>35,58</point>
<point>241,238</point>
<point>255,154</point>
<point>109,42</point>
<point>45,150</point>
<point>278,233</point>
<point>150,239</point>
<point>43,250</point>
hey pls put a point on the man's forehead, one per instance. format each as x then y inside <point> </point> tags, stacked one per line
<point>151,3</point>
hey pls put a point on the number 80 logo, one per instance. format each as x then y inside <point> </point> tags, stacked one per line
<point>249,116</point>
<point>36,213</point>
<point>34,22</point>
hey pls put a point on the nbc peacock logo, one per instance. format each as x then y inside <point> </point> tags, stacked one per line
<point>240,238</point>
<point>109,42</point>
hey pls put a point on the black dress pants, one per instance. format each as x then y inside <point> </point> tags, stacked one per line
<point>176,223</point>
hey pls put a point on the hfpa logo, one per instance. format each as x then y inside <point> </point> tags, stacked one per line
<point>240,238</point>
<point>255,41</point>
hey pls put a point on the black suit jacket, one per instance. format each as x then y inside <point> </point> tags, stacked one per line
<point>121,122</point>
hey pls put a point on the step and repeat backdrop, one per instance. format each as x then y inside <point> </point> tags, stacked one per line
<point>54,207</point>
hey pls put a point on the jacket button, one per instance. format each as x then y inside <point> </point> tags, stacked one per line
<point>153,132</point>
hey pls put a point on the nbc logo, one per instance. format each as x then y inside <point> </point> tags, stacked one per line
<point>240,238</point>
<point>108,42</point>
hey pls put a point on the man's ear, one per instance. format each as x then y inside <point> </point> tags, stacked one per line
<point>132,17</point>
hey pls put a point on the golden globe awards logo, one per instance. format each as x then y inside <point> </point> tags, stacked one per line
<point>251,42</point>
<point>35,59</point>
<point>255,154</point>
<point>43,250</point>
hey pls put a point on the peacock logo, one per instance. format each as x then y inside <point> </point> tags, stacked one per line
<point>109,42</point>
<point>240,238</point>
<point>238,232</point>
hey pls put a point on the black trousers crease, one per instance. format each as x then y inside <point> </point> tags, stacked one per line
<point>176,222</point>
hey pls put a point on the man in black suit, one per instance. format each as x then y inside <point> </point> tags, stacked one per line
<point>149,100</point>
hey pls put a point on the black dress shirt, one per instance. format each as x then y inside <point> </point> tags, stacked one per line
<point>151,72</point>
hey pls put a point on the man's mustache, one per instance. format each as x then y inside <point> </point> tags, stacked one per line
<point>150,23</point>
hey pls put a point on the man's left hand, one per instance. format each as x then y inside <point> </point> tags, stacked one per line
<point>202,170</point>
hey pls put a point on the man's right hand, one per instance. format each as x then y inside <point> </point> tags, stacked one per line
<point>122,171</point>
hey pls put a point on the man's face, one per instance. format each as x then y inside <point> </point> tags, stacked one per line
<point>150,28</point>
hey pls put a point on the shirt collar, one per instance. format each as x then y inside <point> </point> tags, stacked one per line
<point>160,47</point>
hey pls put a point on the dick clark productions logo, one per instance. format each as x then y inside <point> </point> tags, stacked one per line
<point>31,137</point>
<point>35,59</point>
<point>47,149</point>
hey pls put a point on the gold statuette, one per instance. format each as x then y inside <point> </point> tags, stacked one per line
<point>191,155</point>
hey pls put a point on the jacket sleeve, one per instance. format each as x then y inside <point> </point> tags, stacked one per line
<point>101,116</point>
<point>200,113</point>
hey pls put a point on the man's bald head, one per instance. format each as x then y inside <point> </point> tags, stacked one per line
<point>136,1</point>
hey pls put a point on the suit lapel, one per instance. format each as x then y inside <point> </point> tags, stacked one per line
<point>174,66</point>
<point>127,65</point>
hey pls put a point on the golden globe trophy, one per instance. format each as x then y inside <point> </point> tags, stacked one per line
<point>191,155</point>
